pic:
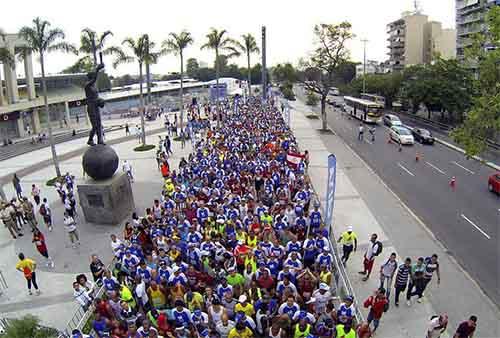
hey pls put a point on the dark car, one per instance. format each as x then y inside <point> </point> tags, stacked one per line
<point>494,183</point>
<point>422,135</point>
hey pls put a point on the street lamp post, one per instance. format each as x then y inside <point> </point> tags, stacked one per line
<point>364,64</point>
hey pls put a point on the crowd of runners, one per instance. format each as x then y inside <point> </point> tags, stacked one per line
<point>234,247</point>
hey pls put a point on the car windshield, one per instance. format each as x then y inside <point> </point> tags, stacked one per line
<point>396,122</point>
<point>404,131</point>
<point>425,132</point>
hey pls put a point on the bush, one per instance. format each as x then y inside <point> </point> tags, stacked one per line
<point>312,116</point>
<point>145,147</point>
<point>312,99</point>
<point>53,180</point>
<point>287,91</point>
<point>178,138</point>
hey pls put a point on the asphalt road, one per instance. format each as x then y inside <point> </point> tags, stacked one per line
<point>465,220</point>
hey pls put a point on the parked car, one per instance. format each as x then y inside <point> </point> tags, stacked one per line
<point>494,183</point>
<point>422,135</point>
<point>401,135</point>
<point>391,120</point>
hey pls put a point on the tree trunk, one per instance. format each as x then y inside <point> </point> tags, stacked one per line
<point>182,90</point>
<point>217,74</point>
<point>428,113</point>
<point>249,75</point>
<point>323,113</point>
<point>46,103</point>
<point>141,109</point>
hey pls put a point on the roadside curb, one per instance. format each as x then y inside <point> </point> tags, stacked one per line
<point>460,150</point>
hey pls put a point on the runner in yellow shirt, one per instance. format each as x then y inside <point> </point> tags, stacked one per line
<point>349,242</point>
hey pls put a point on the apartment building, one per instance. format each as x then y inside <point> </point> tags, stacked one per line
<point>413,39</point>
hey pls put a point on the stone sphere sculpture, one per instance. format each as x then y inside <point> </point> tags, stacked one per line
<point>100,162</point>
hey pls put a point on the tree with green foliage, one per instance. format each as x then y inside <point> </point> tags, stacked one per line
<point>248,47</point>
<point>386,85</point>
<point>42,39</point>
<point>284,73</point>
<point>483,119</point>
<point>320,68</point>
<point>176,44</point>
<point>192,68</point>
<point>28,326</point>
<point>141,53</point>
<point>5,58</point>
<point>219,42</point>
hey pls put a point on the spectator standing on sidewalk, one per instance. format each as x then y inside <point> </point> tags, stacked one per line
<point>387,271</point>
<point>416,281</point>
<point>97,268</point>
<point>466,329</point>
<point>378,304</point>
<point>41,246</point>
<point>402,277</point>
<point>17,204</point>
<point>70,226</point>
<point>127,129</point>
<point>6,212</point>
<point>35,192</point>
<point>46,213</point>
<point>361,131</point>
<point>437,326</point>
<point>374,249</point>
<point>431,265</point>
<point>16,182</point>
<point>29,212</point>
<point>349,241</point>
<point>27,267</point>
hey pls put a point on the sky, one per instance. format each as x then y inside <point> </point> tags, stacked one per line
<point>289,24</point>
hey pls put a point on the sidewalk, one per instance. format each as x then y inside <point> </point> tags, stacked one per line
<point>364,202</point>
<point>55,306</point>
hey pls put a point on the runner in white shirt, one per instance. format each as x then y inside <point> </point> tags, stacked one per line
<point>127,168</point>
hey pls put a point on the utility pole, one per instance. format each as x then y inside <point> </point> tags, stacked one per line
<point>264,74</point>
<point>364,64</point>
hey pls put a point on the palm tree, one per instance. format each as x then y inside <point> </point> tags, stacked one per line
<point>91,43</point>
<point>42,39</point>
<point>219,42</point>
<point>176,45</point>
<point>141,53</point>
<point>248,46</point>
<point>5,58</point>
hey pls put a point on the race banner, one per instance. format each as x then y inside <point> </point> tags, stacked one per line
<point>330,191</point>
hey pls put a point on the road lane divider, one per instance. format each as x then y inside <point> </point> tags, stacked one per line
<point>464,168</point>
<point>435,168</point>
<point>409,172</point>
<point>475,226</point>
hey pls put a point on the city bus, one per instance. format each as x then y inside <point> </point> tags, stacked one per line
<point>375,98</point>
<point>364,110</point>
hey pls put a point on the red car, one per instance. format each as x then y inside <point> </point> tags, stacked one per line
<point>494,183</point>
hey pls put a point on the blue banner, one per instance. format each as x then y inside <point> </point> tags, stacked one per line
<point>330,191</point>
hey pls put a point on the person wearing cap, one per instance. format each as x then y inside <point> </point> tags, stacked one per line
<point>244,306</point>
<point>346,310</point>
<point>349,241</point>
<point>199,319</point>
<point>299,315</point>
<point>78,334</point>
<point>325,258</point>
<point>322,296</point>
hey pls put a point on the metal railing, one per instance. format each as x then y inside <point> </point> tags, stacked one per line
<point>3,283</point>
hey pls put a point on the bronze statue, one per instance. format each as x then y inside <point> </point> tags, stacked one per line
<point>94,102</point>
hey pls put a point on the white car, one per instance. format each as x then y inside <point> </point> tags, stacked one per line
<point>401,135</point>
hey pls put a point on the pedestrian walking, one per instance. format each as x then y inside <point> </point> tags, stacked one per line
<point>35,192</point>
<point>374,249</point>
<point>378,304</point>
<point>372,133</point>
<point>19,214</point>
<point>431,266</point>
<point>402,277</point>
<point>387,271</point>
<point>168,145</point>
<point>41,246</point>
<point>437,326</point>
<point>453,183</point>
<point>16,182</point>
<point>70,204</point>
<point>46,214</point>
<point>127,168</point>
<point>29,212</point>
<point>349,241</point>
<point>6,213</point>
<point>466,329</point>
<point>183,139</point>
<point>127,129</point>
<point>361,131</point>
<point>27,267</point>
<point>416,281</point>
<point>70,226</point>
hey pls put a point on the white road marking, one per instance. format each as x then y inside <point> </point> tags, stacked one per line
<point>464,168</point>
<point>475,226</point>
<point>368,141</point>
<point>436,168</point>
<point>409,172</point>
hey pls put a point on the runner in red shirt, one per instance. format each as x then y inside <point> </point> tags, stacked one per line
<point>41,246</point>
<point>378,304</point>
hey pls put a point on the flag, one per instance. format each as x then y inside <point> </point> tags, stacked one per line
<point>293,159</point>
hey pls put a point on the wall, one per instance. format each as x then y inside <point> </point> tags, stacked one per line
<point>414,39</point>
<point>446,44</point>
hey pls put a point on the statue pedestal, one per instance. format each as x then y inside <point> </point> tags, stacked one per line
<point>107,201</point>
